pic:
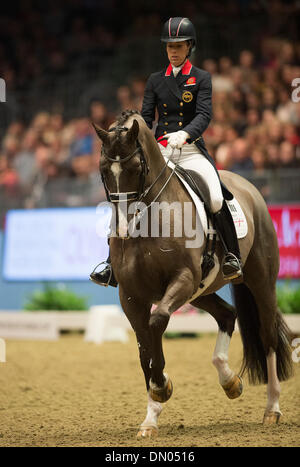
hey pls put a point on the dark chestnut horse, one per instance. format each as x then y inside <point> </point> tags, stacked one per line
<point>162,270</point>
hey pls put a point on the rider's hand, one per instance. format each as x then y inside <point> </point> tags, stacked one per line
<point>177,139</point>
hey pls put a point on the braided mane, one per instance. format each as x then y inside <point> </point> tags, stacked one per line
<point>122,118</point>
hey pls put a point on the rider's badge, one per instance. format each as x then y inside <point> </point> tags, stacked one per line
<point>191,81</point>
<point>187,96</point>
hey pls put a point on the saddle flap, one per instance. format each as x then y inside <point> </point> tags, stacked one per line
<point>197,184</point>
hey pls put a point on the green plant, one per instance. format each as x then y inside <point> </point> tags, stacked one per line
<point>55,299</point>
<point>288,299</point>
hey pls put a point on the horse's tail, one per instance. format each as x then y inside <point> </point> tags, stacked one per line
<point>254,358</point>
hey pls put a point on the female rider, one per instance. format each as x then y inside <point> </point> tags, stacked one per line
<point>182,95</point>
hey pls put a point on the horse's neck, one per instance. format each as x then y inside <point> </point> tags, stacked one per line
<point>156,163</point>
<point>155,159</point>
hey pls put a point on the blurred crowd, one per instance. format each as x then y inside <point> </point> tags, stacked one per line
<point>256,122</point>
<point>255,125</point>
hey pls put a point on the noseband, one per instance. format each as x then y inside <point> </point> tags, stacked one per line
<point>130,195</point>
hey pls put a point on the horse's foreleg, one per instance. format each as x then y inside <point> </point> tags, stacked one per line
<point>225,316</point>
<point>177,293</point>
<point>149,427</point>
<point>138,315</point>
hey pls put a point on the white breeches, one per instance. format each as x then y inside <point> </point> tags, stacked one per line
<point>191,158</point>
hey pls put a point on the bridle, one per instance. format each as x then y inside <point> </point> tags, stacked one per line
<point>141,193</point>
<point>129,195</point>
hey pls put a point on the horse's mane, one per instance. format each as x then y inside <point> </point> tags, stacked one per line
<point>123,117</point>
<point>144,136</point>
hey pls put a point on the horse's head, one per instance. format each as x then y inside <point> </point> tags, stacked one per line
<point>123,166</point>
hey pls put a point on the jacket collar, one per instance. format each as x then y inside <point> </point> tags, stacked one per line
<point>185,70</point>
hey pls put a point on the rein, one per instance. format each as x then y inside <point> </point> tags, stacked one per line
<point>140,214</point>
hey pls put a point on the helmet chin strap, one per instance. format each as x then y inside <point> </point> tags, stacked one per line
<point>189,53</point>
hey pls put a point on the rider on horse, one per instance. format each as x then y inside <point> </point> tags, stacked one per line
<point>182,95</point>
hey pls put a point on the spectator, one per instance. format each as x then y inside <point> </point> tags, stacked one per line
<point>259,160</point>
<point>241,159</point>
<point>83,141</point>
<point>99,114</point>
<point>222,81</point>
<point>25,163</point>
<point>9,180</point>
<point>137,88</point>
<point>223,157</point>
<point>287,157</point>
<point>269,100</point>
<point>252,117</point>
<point>272,156</point>
<point>124,98</point>
<point>82,166</point>
<point>286,110</point>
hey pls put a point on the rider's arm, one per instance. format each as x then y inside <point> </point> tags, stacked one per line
<point>203,109</point>
<point>149,104</point>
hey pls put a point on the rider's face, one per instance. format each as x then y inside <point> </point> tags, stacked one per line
<point>177,52</point>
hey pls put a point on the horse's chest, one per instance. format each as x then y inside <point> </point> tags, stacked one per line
<point>144,270</point>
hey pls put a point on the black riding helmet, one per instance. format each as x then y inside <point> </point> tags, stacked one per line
<point>179,29</point>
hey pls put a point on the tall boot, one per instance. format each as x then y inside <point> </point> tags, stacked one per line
<point>106,276</point>
<point>231,264</point>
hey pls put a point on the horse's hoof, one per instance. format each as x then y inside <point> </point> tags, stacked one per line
<point>271,417</point>
<point>234,387</point>
<point>147,432</point>
<point>161,394</point>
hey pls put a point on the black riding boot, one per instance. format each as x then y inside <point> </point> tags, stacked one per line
<point>231,265</point>
<point>106,276</point>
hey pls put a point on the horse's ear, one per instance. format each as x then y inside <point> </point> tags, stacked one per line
<point>133,132</point>
<point>103,135</point>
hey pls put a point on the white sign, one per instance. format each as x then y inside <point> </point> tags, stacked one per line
<point>54,244</point>
<point>28,325</point>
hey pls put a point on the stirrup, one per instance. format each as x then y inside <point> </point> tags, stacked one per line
<point>105,284</point>
<point>234,274</point>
